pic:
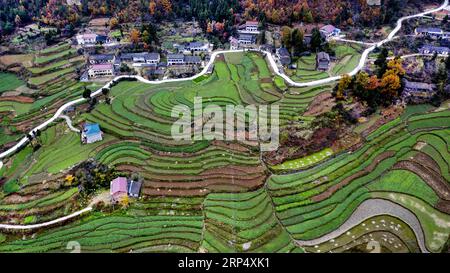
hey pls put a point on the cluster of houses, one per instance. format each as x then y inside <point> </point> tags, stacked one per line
<point>106,65</point>
<point>247,34</point>
<point>121,188</point>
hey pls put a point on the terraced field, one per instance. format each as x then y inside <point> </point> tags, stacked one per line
<point>216,196</point>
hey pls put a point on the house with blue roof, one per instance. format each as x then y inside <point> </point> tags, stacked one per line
<point>91,133</point>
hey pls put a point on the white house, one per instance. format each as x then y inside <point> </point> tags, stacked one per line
<point>175,59</point>
<point>329,31</point>
<point>197,47</point>
<point>86,39</point>
<point>427,49</point>
<point>101,70</point>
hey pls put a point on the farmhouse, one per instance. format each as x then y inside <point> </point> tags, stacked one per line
<point>428,49</point>
<point>435,33</point>
<point>134,188</point>
<point>234,43</point>
<point>143,57</point>
<point>323,61</point>
<point>418,92</point>
<point>118,189</point>
<point>247,39</point>
<point>192,60</point>
<point>330,31</point>
<point>175,59</point>
<point>197,47</point>
<point>284,56</point>
<point>250,27</point>
<point>102,58</point>
<point>91,133</point>
<point>101,70</point>
<point>86,39</point>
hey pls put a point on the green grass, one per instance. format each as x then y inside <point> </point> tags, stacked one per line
<point>9,82</point>
<point>305,162</point>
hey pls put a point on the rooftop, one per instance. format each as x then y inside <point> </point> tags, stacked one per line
<point>101,66</point>
<point>175,56</point>
<point>119,185</point>
<point>91,129</point>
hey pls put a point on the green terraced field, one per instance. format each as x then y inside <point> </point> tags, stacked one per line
<point>216,196</point>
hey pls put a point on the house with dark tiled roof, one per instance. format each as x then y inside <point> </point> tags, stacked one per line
<point>418,92</point>
<point>102,58</point>
<point>284,56</point>
<point>134,188</point>
<point>429,49</point>
<point>323,61</point>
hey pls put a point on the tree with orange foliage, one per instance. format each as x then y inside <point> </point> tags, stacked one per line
<point>390,84</point>
<point>373,83</point>
<point>344,84</point>
<point>152,7</point>
<point>113,23</point>
<point>135,36</point>
<point>167,6</point>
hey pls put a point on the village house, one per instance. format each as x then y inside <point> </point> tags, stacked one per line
<point>250,27</point>
<point>102,58</point>
<point>91,133</point>
<point>428,49</point>
<point>86,38</point>
<point>197,47</point>
<point>134,188</point>
<point>101,70</point>
<point>118,189</point>
<point>175,59</point>
<point>435,33</point>
<point>234,43</point>
<point>418,92</point>
<point>284,56</point>
<point>192,60</point>
<point>246,39</point>
<point>329,31</point>
<point>140,58</point>
<point>323,61</point>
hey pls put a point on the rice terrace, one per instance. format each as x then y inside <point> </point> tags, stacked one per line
<point>88,154</point>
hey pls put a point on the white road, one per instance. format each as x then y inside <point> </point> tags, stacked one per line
<point>271,61</point>
<point>46,224</point>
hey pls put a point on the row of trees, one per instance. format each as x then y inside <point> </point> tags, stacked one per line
<point>372,89</point>
<point>293,40</point>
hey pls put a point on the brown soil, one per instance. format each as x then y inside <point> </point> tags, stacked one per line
<point>20,99</point>
<point>322,103</point>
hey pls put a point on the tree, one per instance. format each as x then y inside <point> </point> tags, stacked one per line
<point>167,6</point>
<point>343,85</point>
<point>286,37</point>
<point>113,23</point>
<point>152,7</point>
<point>86,93</point>
<point>380,62</point>
<point>390,85</point>
<point>396,66</point>
<point>297,41</point>
<point>135,36</point>
<point>316,40</point>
